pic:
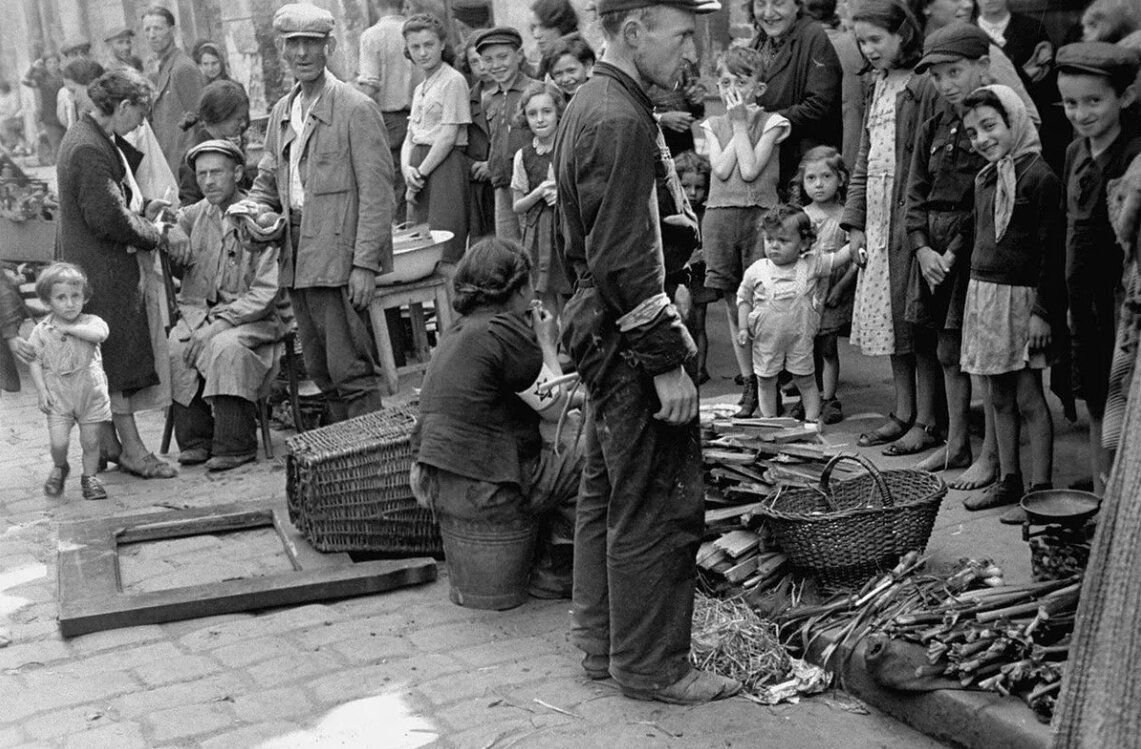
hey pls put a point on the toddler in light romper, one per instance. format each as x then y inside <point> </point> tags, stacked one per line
<point>68,374</point>
<point>778,306</point>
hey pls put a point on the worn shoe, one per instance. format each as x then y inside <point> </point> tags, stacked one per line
<point>831,412</point>
<point>597,667</point>
<point>226,462</point>
<point>749,401</point>
<point>53,487</point>
<point>1005,491</point>
<point>695,688</point>
<point>92,488</point>
<point>193,456</point>
<point>1016,515</point>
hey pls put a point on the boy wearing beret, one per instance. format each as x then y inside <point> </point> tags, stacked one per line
<point>1096,80</point>
<point>640,508</point>
<point>502,53</point>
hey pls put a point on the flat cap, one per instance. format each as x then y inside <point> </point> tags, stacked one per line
<point>77,44</point>
<point>621,6</point>
<point>118,32</point>
<point>957,40</point>
<point>498,35</point>
<point>224,147</point>
<point>1099,58</point>
<point>302,19</point>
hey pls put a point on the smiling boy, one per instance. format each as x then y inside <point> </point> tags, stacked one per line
<point>502,53</point>
<point>1096,83</point>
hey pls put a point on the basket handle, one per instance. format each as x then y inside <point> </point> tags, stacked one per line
<point>877,476</point>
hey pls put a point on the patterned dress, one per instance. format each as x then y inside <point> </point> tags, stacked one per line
<point>872,327</point>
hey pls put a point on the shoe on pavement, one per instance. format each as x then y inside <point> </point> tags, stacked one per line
<point>597,667</point>
<point>53,487</point>
<point>226,462</point>
<point>193,456</point>
<point>695,688</point>
<point>92,487</point>
<point>831,412</point>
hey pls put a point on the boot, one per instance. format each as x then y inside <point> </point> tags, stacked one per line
<point>748,400</point>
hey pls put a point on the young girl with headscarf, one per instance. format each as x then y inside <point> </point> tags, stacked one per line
<point>1015,306</point>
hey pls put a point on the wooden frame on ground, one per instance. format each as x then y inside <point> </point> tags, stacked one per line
<point>90,589</point>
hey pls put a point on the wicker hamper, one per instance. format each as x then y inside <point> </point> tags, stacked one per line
<point>348,487</point>
<point>847,531</point>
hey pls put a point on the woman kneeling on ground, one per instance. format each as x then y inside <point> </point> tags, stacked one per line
<point>482,460</point>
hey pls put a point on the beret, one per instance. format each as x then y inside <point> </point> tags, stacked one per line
<point>302,19</point>
<point>621,6</point>
<point>1099,58</point>
<point>498,35</point>
<point>956,41</point>
<point>72,45</point>
<point>224,147</point>
<point>117,32</point>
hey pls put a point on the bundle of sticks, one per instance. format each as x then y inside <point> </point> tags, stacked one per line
<point>1011,639</point>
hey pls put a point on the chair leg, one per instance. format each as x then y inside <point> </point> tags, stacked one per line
<point>167,431</point>
<point>291,374</point>
<point>263,423</point>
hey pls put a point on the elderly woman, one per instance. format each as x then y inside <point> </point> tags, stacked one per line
<point>104,229</point>
<point>482,463</point>
<point>802,78</point>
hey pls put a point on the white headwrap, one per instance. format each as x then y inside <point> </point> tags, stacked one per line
<point>1025,141</point>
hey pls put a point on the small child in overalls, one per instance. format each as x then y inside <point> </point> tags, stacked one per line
<point>778,306</point>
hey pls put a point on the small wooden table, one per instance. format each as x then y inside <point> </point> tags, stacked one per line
<point>434,290</point>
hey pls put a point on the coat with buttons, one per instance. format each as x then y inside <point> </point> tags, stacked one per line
<point>346,173</point>
<point>178,85</point>
<point>913,106</point>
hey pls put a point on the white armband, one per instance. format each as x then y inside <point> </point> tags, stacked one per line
<point>539,398</point>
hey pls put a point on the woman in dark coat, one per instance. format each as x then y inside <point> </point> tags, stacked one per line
<point>803,78</point>
<point>103,230</point>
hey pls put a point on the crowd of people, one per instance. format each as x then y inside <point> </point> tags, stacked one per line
<point>928,178</point>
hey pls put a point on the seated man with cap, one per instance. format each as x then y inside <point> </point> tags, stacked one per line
<point>502,51</point>
<point>222,349</point>
<point>327,166</point>
<point>121,41</point>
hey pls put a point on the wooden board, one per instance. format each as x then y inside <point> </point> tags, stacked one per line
<point>91,596</point>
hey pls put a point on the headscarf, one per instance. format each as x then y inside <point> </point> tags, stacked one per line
<point>1025,142</point>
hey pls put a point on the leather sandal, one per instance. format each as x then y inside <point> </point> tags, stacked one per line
<point>695,688</point>
<point>53,487</point>
<point>929,438</point>
<point>151,467</point>
<point>889,432</point>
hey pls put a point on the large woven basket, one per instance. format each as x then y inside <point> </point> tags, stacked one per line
<point>847,531</point>
<point>348,487</point>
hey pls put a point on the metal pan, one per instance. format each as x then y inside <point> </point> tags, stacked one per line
<point>1060,506</point>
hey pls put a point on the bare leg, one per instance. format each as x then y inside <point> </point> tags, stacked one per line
<point>829,366</point>
<point>1036,415</point>
<point>903,378</point>
<point>89,437</point>
<point>130,440</point>
<point>809,396</point>
<point>767,390</point>
<point>1004,395</point>
<point>59,435</point>
<point>984,471</point>
<point>742,353</point>
<point>957,453</point>
<point>109,441</point>
<point>700,337</point>
<point>925,383</point>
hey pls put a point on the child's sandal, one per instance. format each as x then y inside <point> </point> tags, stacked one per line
<point>92,488</point>
<point>53,487</point>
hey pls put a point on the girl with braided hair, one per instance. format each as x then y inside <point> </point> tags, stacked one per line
<point>481,457</point>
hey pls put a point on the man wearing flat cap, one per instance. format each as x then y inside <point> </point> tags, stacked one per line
<point>640,512</point>
<point>327,166</point>
<point>120,40</point>
<point>222,349</point>
<point>502,51</point>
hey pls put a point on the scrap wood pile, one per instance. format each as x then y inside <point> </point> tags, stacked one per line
<point>745,462</point>
<point>975,630</point>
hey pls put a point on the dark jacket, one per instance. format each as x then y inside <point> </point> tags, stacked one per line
<point>804,83</point>
<point>178,84</point>
<point>913,106</point>
<point>607,160</point>
<point>188,191</point>
<point>11,315</point>
<point>96,230</point>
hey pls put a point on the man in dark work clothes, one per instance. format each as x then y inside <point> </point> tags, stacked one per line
<point>640,512</point>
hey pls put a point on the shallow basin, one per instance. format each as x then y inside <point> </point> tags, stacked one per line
<point>415,254</point>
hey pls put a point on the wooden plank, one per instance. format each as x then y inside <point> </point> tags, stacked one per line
<point>738,543</point>
<point>200,526</point>
<point>231,596</point>
<point>728,457</point>
<point>795,434</point>
<point>805,451</point>
<point>742,570</point>
<point>728,513</point>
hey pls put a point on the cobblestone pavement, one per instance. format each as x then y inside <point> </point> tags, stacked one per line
<point>400,669</point>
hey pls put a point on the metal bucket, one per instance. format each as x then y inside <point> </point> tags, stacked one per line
<point>489,565</point>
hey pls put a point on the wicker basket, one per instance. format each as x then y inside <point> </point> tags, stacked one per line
<point>846,532</point>
<point>348,487</point>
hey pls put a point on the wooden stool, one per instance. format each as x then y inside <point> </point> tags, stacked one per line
<point>432,289</point>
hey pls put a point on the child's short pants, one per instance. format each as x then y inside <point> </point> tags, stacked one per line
<point>79,398</point>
